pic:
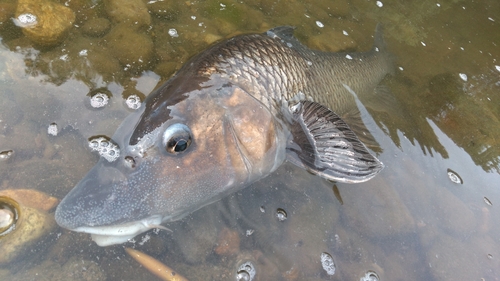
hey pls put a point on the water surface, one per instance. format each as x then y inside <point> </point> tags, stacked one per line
<point>431,214</point>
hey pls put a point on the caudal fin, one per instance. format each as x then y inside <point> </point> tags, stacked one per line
<point>380,46</point>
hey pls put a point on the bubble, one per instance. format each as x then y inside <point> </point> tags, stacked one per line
<point>463,76</point>
<point>370,276</point>
<point>172,32</point>
<point>281,214</point>
<point>53,130</point>
<point>454,177</point>
<point>99,97</point>
<point>99,100</point>
<point>26,20</point>
<point>129,162</point>
<point>6,154</point>
<point>8,215</point>
<point>133,102</point>
<point>327,263</point>
<point>105,148</point>
<point>245,272</point>
<point>487,201</point>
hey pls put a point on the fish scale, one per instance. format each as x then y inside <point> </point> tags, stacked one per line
<point>273,68</point>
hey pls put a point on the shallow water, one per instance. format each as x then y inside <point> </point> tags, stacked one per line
<point>429,215</point>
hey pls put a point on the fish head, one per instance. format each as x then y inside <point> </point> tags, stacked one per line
<point>186,147</point>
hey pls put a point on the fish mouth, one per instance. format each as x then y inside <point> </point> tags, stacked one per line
<point>116,234</point>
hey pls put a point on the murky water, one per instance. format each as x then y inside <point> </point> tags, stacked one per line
<point>430,215</point>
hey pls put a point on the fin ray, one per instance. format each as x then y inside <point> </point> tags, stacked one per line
<point>325,145</point>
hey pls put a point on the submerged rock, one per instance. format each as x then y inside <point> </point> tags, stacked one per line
<point>45,23</point>
<point>96,27</point>
<point>75,268</point>
<point>33,224</point>
<point>134,50</point>
<point>128,11</point>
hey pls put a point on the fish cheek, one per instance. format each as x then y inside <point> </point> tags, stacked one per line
<point>255,132</point>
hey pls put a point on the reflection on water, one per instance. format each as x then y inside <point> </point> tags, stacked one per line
<point>411,222</point>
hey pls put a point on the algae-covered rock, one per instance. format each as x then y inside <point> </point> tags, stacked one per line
<point>128,11</point>
<point>44,22</point>
<point>75,269</point>
<point>132,49</point>
<point>31,226</point>
<point>6,12</point>
<point>96,27</point>
<point>382,213</point>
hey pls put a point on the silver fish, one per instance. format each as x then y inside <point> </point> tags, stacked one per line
<point>232,115</point>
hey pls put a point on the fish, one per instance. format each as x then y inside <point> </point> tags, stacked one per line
<point>229,117</point>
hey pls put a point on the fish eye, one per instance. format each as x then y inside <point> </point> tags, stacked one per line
<point>177,138</point>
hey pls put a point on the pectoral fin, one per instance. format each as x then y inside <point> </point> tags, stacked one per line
<point>325,145</point>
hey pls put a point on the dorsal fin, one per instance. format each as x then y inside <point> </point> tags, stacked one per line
<point>282,32</point>
<point>285,34</point>
<point>325,145</point>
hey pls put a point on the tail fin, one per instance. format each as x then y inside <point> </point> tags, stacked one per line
<point>379,43</point>
<point>380,46</point>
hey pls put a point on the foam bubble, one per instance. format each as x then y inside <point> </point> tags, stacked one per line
<point>133,102</point>
<point>99,100</point>
<point>52,129</point>
<point>106,148</point>
<point>327,263</point>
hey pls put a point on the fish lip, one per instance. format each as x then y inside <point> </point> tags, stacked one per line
<point>116,234</point>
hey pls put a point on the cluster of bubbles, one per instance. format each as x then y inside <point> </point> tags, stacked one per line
<point>246,272</point>
<point>327,263</point>
<point>133,102</point>
<point>6,154</point>
<point>99,100</point>
<point>105,148</point>
<point>52,129</point>
<point>26,20</point>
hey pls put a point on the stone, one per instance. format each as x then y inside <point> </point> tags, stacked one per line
<point>133,50</point>
<point>75,268</point>
<point>32,198</point>
<point>31,226</point>
<point>46,23</point>
<point>196,240</point>
<point>452,214</point>
<point>450,259</point>
<point>228,242</point>
<point>96,27</point>
<point>169,10</point>
<point>6,12</point>
<point>376,212</point>
<point>128,11</point>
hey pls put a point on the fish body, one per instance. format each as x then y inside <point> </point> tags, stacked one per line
<point>230,116</point>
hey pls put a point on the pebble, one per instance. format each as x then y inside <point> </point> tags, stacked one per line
<point>46,23</point>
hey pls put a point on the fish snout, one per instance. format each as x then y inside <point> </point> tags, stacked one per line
<point>91,202</point>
